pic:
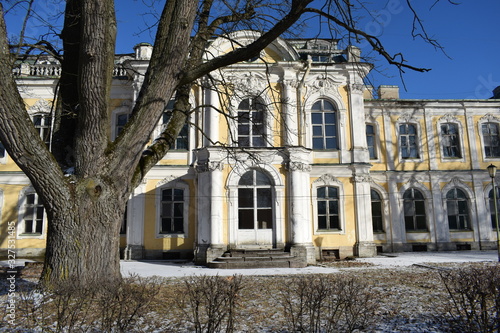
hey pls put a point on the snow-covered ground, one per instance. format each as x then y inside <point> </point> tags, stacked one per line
<point>178,269</point>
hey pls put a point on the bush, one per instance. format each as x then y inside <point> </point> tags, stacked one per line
<point>105,308</point>
<point>475,298</point>
<point>326,303</point>
<point>209,302</point>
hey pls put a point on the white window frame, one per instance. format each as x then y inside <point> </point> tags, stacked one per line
<point>330,181</point>
<point>376,143</point>
<point>336,112</point>
<point>22,210</point>
<point>419,141</point>
<point>266,123</point>
<point>487,119</point>
<point>163,185</point>
<point>125,108</point>
<point>450,119</point>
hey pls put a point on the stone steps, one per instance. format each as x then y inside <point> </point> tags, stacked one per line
<point>261,258</point>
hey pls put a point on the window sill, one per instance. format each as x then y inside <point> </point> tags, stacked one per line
<point>183,235</point>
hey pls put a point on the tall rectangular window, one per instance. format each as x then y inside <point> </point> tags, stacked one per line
<point>370,140</point>
<point>408,141</point>
<point>491,140</point>
<point>43,125</point>
<point>328,208</point>
<point>251,123</point>
<point>33,215</point>
<point>172,211</point>
<point>450,140</point>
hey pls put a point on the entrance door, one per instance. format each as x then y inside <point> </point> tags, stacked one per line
<point>255,210</point>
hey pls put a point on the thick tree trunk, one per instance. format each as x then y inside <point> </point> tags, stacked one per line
<point>83,237</point>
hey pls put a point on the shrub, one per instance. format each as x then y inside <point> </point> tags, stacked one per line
<point>475,298</point>
<point>326,303</point>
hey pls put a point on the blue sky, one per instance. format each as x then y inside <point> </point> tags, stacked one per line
<point>469,33</point>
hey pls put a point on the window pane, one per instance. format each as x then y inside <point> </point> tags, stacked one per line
<point>421,223</point>
<point>317,118</point>
<point>331,143</point>
<point>178,225</point>
<point>321,207</point>
<point>321,192</point>
<point>318,143</point>
<point>178,194</point>
<point>264,219</point>
<point>452,207</point>
<point>245,197</point>
<point>333,192</point>
<point>322,222</point>
<point>333,206</point>
<point>166,209</point>
<point>317,131</point>
<point>258,141</point>
<point>264,198</point>
<point>246,179</point>
<point>262,179</point>
<point>420,207</point>
<point>245,219</point>
<point>334,222</point>
<point>376,208</point>
<point>452,221</point>
<point>329,117</point>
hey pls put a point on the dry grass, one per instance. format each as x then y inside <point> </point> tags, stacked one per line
<point>411,299</point>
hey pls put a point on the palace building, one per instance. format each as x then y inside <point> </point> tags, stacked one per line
<point>288,152</point>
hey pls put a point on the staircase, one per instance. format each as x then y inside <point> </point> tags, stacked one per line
<point>261,258</point>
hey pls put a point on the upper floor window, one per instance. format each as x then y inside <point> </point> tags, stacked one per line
<point>371,141</point>
<point>450,140</point>
<point>414,210</point>
<point>43,125</point>
<point>377,214</point>
<point>121,120</point>
<point>408,141</point>
<point>33,216</point>
<point>492,207</point>
<point>324,125</point>
<point>458,210</point>
<point>172,211</point>
<point>251,124</point>
<point>181,143</point>
<point>491,139</point>
<point>328,208</point>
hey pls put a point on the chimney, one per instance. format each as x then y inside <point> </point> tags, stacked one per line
<point>143,51</point>
<point>388,92</point>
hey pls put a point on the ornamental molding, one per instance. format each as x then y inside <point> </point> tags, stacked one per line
<point>489,118</point>
<point>209,166</point>
<point>357,88</point>
<point>407,118</point>
<point>323,81</point>
<point>362,179</point>
<point>248,83</point>
<point>172,180</point>
<point>41,106</point>
<point>449,118</point>
<point>328,179</point>
<point>298,166</point>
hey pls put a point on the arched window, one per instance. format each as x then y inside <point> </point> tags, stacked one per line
<point>408,141</point>
<point>328,208</point>
<point>491,139</point>
<point>458,210</point>
<point>324,125</point>
<point>255,201</point>
<point>492,207</point>
<point>377,212</point>
<point>251,123</point>
<point>450,140</point>
<point>414,210</point>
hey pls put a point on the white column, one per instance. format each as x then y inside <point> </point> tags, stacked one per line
<point>211,123</point>
<point>134,249</point>
<point>216,194</point>
<point>290,113</point>
<point>365,247</point>
<point>358,124</point>
<point>299,203</point>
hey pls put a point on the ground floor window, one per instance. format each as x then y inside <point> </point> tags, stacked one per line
<point>458,210</point>
<point>414,210</point>
<point>377,214</point>
<point>34,213</point>
<point>492,207</point>
<point>172,211</point>
<point>255,201</point>
<point>328,208</point>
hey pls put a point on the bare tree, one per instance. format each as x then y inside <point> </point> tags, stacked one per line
<point>85,209</point>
